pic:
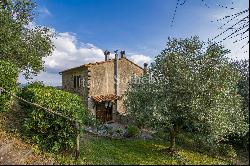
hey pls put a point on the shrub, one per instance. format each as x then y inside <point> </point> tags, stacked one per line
<point>227,150</point>
<point>239,142</point>
<point>8,78</point>
<point>133,131</point>
<point>50,131</point>
<point>119,131</point>
<point>194,141</point>
<point>161,134</point>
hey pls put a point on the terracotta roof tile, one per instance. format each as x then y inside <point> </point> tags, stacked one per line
<point>101,62</point>
<point>109,97</point>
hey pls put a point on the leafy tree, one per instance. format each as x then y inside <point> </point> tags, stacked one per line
<point>8,77</point>
<point>243,84</point>
<point>21,44</point>
<point>189,84</point>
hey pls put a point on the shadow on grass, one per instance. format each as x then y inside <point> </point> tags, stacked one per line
<point>106,151</point>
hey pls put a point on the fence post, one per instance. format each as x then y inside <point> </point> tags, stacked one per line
<point>77,141</point>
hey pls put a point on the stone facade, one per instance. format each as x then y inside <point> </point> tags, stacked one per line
<point>99,79</point>
<point>68,82</point>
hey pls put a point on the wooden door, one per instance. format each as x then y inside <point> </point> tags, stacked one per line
<point>102,113</point>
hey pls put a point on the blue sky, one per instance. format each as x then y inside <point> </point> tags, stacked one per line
<point>141,27</point>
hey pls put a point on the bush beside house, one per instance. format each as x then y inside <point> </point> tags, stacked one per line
<point>8,78</point>
<point>48,130</point>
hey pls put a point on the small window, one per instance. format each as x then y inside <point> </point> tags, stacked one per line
<point>77,81</point>
<point>78,78</point>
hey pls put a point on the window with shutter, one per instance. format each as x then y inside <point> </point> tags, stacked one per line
<point>75,81</point>
<point>78,81</point>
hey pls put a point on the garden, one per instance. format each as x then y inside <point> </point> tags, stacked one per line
<point>191,108</point>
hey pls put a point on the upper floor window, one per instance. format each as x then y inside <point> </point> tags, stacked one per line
<point>77,81</point>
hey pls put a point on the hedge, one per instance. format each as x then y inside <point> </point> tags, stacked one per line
<point>8,81</point>
<point>51,132</point>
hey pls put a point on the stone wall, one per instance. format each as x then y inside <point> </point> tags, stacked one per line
<point>102,80</point>
<point>68,82</point>
<point>127,70</point>
<point>99,80</point>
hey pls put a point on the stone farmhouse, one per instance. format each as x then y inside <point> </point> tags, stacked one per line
<point>102,85</point>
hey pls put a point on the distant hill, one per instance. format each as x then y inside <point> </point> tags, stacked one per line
<point>58,87</point>
<point>23,85</point>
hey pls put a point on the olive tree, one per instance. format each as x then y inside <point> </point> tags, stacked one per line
<point>189,83</point>
<point>243,90</point>
<point>243,84</point>
<point>21,44</point>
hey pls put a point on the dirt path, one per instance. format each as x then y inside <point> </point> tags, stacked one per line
<point>14,151</point>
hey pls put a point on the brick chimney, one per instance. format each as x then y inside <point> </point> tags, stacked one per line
<point>116,73</point>
<point>116,77</point>
<point>123,54</point>
<point>106,53</point>
<point>145,69</point>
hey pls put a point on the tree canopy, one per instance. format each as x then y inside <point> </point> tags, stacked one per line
<point>189,85</point>
<point>20,43</point>
<point>243,85</point>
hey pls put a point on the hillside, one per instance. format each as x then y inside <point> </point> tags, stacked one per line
<point>94,150</point>
<point>13,149</point>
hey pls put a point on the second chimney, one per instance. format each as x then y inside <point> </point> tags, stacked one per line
<point>106,53</point>
<point>145,68</point>
<point>123,54</point>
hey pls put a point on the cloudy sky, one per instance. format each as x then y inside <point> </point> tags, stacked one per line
<point>86,28</point>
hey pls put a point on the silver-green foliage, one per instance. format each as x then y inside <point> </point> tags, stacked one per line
<point>189,83</point>
<point>243,85</point>
<point>8,79</point>
<point>20,43</point>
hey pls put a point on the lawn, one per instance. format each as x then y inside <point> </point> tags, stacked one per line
<point>97,150</point>
<point>100,150</point>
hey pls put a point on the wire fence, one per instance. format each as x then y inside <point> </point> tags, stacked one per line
<point>77,123</point>
<point>39,106</point>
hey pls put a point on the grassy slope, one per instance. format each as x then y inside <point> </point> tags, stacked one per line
<point>96,150</point>
<point>106,151</point>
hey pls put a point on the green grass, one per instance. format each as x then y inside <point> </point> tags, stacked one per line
<point>99,150</point>
<point>107,151</point>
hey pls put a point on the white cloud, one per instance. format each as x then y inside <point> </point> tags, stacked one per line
<point>237,52</point>
<point>218,13</point>
<point>69,53</point>
<point>44,11</point>
<point>47,78</point>
<point>140,59</point>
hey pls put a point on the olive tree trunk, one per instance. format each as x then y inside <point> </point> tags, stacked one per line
<point>172,140</point>
<point>173,133</point>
